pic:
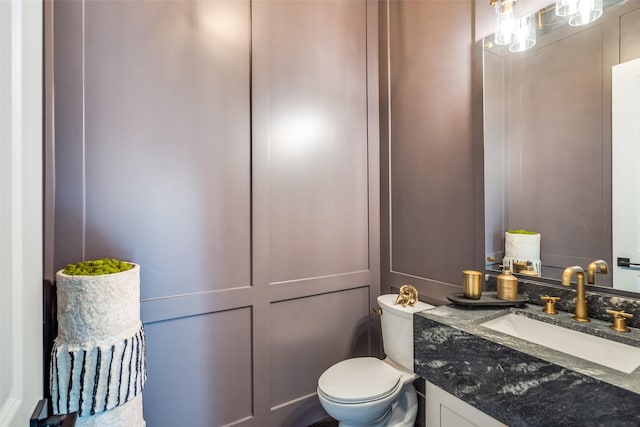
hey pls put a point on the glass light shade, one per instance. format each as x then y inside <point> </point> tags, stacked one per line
<point>587,11</point>
<point>505,22</point>
<point>566,7</point>
<point>524,34</point>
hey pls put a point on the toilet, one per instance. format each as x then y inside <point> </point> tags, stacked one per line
<point>366,391</point>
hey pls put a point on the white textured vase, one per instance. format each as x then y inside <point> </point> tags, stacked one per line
<point>98,365</point>
<point>522,248</point>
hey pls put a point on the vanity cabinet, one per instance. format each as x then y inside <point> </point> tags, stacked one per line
<point>476,376</point>
<point>443,409</point>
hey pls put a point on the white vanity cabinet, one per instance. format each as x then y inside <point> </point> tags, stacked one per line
<point>443,409</point>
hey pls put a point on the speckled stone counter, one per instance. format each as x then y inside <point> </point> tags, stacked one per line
<point>521,383</point>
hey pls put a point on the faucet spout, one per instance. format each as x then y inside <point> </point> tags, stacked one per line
<point>581,296</point>
<point>594,267</point>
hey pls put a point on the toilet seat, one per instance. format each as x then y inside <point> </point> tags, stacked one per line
<point>359,380</point>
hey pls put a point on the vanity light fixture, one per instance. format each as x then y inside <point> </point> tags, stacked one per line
<point>586,12</point>
<point>580,12</point>
<point>566,7</point>
<point>520,34</point>
<point>524,34</point>
<point>505,20</point>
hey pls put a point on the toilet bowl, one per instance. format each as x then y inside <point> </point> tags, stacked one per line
<point>366,391</point>
<point>361,391</point>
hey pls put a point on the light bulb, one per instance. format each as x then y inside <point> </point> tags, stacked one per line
<point>524,34</point>
<point>586,12</point>
<point>566,7</point>
<point>505,22</point>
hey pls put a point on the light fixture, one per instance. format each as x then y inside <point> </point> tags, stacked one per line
<point>505,21</point>
<point>520,34</point>
<point>524,34</point>
<point>586,12</point>
<point>566,7</point>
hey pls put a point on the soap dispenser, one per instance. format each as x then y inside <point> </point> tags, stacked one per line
<point>507,286</point>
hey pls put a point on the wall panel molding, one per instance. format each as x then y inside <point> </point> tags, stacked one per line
<point>186,369</point>
<point>176,306</point>
<point>315,220</point>
<point>328,328</point>
<point>629,35</point>
<point>432,209</point>
<point>353,276</point>
<point>192,163</point>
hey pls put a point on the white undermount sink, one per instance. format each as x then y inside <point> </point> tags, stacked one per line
<point>612,354</point>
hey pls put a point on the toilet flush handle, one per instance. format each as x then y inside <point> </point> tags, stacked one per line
<point>377,311</point>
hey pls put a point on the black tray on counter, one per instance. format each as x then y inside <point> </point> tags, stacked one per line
<point>488,299</point>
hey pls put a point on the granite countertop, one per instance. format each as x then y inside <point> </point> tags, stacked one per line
<point>522,383</point>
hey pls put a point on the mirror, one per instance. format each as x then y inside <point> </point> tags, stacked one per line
<point>548,141</point>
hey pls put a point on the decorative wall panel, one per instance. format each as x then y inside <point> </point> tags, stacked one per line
<point>230,148</point>
<point>432,163</point>
<point>316,106</point>
<point>167,138</point>
<point>630,36</point>
<point>328,328</point>
<point>199,370</point>
<point>568,75</point>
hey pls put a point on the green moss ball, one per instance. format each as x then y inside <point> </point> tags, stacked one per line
<point>521,232</point>
<point>97,267</point>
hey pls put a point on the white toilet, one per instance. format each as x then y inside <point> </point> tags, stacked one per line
<point>366,391</point>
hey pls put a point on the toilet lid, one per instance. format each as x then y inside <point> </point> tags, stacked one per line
<point>361,379</point>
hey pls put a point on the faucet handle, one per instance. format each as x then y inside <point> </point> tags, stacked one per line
<point>550,304</point>
<point>620,320</point>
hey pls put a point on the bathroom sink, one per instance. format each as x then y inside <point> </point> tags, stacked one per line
<point>612,354</point>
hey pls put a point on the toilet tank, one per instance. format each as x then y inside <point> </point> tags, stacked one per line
<point>397,329</point>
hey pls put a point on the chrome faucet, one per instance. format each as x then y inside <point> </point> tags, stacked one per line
<point>581,298</point>
<point>593,269</point>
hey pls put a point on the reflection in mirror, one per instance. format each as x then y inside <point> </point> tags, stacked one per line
<point>547,141</point>
<point>626,174</point>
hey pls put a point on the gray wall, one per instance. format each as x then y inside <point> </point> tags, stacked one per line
<point>554,125</point>
<point>431,144</point>
<point>230,148</point>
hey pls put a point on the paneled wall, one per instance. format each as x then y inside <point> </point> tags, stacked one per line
<point>231,149</point>
<point>431,139</point>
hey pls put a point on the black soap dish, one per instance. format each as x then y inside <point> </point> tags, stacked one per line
<point>488,299</point>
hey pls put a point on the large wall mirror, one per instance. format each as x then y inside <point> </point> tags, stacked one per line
<point>548,143</point>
